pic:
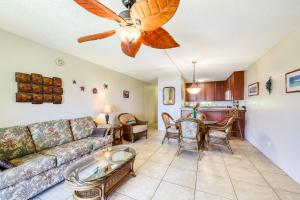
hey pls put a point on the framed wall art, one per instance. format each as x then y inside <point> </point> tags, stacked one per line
<point>125,94</point>
<point>253,89</point>
<point>292,81</point>
<point>36,89</point>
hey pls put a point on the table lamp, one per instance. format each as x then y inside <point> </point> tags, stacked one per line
<point>107,110</point>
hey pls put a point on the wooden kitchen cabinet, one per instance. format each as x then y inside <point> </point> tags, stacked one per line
<point>235,83</point>
<point>210,91</point>
<point>220,90</point>
<point>201,96</point>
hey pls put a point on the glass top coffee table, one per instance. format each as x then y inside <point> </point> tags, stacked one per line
<point>98,175</point>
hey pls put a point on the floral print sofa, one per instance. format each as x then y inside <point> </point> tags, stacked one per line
<point>40,153</point>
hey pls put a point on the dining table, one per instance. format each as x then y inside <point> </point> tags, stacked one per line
<point>204,134</point>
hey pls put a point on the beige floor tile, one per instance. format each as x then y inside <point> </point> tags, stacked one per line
<point>140,188</point>
<point>267,166</point>
<point>185,163</point>
<point>138,163</point>
<point>162,158</point>
<point>144,155</point>
<point>248,191</point>
<point>181,177</point>
<point>237,161</point>
<point>215,185</point>
<point>246,174</point>
<point>284,195</point>
<point>280,181</point>
<point>193,155</point>
<point>206,196</point>
<point>212,168</point>
<point>58,192</point>
<point>153,169</point>
<point>169,191</point>
<point>211,157</point>
<point>117,196</point>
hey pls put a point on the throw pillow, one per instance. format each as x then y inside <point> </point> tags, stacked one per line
<point>5,164</point>
<point>98,132</point>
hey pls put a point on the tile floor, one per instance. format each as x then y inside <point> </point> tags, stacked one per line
<point>212,175</point>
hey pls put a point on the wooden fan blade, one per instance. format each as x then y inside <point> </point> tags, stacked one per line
<point>99,9</point>
<point>159,39</point>
<point>152,14</point>
<point>97,36</point>
<point>130,49</point>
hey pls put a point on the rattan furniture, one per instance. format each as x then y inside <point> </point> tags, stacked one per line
<point>219,135</point>
<point>190,131</point>
<point>132,127</point>
<point>98,175</point>
<point>171,130</point>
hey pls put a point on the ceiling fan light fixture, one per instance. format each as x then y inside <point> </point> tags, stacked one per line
<point>129,34</point>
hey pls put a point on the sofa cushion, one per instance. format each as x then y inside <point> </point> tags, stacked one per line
<point>68,152</point>
<point>98,142</point>
<point>139,128</point>
<point>25,168</point>
<point>50,134</point>
<point>173,129</point>
<point>82,127</point>
<point>127,119</point>
<point>15,142</point>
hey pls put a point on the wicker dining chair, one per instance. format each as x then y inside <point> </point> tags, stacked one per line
<point>190,131</point>
<point>233,112</point>
<point>219,135</point>
<point>171,130</point>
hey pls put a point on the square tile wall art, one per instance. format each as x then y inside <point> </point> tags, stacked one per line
<point>36,89</point>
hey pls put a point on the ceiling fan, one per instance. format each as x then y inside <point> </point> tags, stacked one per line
<point>139,24</point>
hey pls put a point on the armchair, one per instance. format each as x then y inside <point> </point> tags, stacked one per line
<point>171,130</point>
<point>132,127</point>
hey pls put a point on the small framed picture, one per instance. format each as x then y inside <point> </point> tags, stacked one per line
<point>253,89</point>
<point>125,94</point>
<point>292,81</point>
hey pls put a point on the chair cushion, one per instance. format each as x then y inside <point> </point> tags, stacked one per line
<point>127,119</point>
<point>68,152</point>
<point>217,134</point>
<point>15,142</point>
<point>50,134</point>
<point>172,129</point>
<point>98,142</point>
<point>82,127</point>
<point>139,128</point>
<point>189,129</point>
<point>26,167</point>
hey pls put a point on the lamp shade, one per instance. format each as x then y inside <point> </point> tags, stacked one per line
<point>107,109</point>
<point>194,89</point>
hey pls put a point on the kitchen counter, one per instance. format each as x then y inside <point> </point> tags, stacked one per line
<point>209,109</point>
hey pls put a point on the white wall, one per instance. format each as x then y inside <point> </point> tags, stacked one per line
<point>272,121</point>
<point>174,110</point>
<point>21,55</point>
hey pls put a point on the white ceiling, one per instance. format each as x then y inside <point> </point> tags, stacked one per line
<point>223,35</point>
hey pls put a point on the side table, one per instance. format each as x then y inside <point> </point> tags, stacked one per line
<point>115,130</point>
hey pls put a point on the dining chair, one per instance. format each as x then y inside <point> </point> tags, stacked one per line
<point>171,130</point>
<point>190,131</point>
<point>219,135</point>
<point>233,112</point>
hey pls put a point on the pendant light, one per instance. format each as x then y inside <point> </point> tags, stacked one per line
<point>194,89</point>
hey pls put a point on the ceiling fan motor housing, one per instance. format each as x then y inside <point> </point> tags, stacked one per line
<point>128,3</point>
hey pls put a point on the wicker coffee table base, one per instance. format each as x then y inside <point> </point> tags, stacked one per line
<point>106,185</point>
